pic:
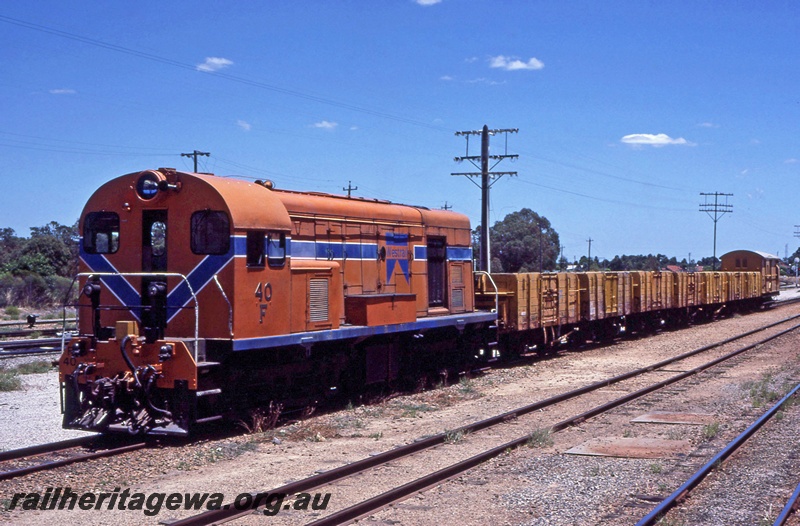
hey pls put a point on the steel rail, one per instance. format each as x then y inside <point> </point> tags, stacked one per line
<point>791,506</point>
<point>5,475</point>
<point>230,512</point>
<point>51,447</point>
<point>369,506</point>
<point>43,321</point>
<point>22,347</point>
<point>658,512</point>
<point>21,333</point>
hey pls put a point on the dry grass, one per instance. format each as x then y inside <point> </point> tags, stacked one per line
<point>262,420</point>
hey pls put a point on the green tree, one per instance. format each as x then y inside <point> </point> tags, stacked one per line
<point>10,245</point>
<point>58,244</point>
<point>37,271</point>
<point>524,241</point>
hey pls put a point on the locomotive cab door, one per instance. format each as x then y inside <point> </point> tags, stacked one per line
<point>154,259</point>
<point>436,272</point>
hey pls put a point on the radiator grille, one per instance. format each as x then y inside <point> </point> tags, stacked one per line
<point>318,300</point>
<point>457,298</point>
<point>457,274</point>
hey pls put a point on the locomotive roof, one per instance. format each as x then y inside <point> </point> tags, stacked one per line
<point>251,204</point>
<point>764,255</point>
<point>248,204</point>
<point>338,206</point>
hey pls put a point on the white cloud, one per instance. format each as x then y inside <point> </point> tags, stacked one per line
<point>483,80</point>
<point>708,125</point>
<point>657,140</point>
<point>326,125</point>
<point>515,64</point>
<point>791,161</point>
<point>446,78</point>
<point>427,2</point>
<point>63,91</point>
<point>246,126</point>
<point>214,64</point>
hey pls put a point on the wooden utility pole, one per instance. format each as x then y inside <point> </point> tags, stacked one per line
<point>488,178</point>
<point>195,154</point>
<point>349,188</point>
<point>715,211</point>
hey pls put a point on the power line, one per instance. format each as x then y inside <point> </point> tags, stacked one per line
<point>606,174</point>
<point>595,198</point>
<point>226,76</point>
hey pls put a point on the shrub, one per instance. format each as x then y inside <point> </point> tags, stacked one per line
<point>9,380</point>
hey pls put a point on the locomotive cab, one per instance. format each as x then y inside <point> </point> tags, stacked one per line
<point>158,254</point>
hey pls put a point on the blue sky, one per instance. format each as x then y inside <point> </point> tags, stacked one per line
<point>626,110</point>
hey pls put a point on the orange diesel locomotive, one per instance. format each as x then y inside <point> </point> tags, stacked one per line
<point>203,295</point>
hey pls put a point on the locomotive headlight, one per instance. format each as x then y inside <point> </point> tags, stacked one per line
<point>147,185</point>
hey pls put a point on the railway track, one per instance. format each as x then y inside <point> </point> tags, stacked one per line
<point>21,329</point>
<point>660,511</point>
<point>364,508</point>
<point>57,454</point>
<point>41,346</point>
<point>792,506</point>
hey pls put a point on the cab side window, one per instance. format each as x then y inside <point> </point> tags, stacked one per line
<point>276,249</point>
<point>255,248</point>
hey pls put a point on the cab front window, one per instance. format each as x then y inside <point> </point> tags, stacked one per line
<point>101,233</point>
<point>210,232</point>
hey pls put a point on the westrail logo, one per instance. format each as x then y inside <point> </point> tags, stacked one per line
<point>396,254</point>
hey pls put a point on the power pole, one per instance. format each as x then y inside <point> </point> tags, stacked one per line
<point>715,211</point>
<point>488,178</point>
<point>589,264</point>
<point>541,251</point>
<point>195,154</point>
<point>349,188</point>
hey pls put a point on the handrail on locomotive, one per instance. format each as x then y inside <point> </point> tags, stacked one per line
<point>90,275</point>
<point>496,291</point>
